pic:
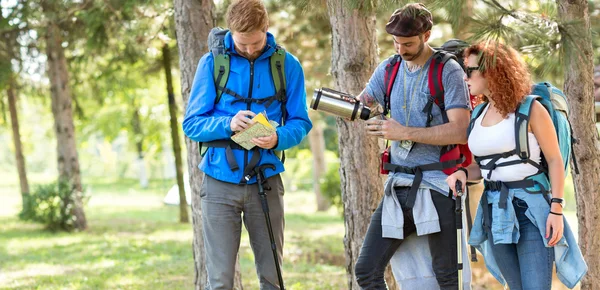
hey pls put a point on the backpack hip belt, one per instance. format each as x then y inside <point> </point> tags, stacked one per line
<point>503,188</point>
<point>229,146</point>
<point>417,171</point>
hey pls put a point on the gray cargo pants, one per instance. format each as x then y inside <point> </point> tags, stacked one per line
<point>222,207</point>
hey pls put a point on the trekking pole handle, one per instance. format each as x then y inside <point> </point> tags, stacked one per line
<point>459,194</point>
<point>265,166</point>
<point>458,188</point>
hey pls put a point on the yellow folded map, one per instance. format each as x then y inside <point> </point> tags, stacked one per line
<point>262,127</point>
<point>260,118</point>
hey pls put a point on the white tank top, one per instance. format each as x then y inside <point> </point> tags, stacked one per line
<point>500,138</point>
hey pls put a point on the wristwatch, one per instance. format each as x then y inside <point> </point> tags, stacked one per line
<point>558,200</point>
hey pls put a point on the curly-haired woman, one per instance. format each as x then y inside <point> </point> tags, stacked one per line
<point>519,233</point>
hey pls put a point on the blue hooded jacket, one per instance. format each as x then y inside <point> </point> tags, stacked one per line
<point>206,121</point>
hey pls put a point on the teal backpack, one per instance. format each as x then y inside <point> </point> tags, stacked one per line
<point>555,102</point>
<point>222,59</point>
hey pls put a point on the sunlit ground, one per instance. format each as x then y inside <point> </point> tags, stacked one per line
<point>135,242</point>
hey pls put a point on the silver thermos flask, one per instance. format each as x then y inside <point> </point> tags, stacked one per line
<point>334,102</point>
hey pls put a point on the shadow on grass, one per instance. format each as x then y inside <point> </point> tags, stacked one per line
<point>102,220</point>
<point>102,263</point>
<point>139,247</point>
<point>147,252</point>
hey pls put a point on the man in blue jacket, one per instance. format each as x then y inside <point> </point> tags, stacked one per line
<point>229,187</point>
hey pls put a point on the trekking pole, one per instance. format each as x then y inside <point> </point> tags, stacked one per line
<point>458,201</point>
<point>469,219</point>
<point>265,206</point>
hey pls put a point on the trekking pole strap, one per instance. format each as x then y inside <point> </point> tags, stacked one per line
<point>470,220</point>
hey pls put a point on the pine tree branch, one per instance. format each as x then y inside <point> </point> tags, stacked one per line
<point>18,29</point>
<point>495,4</point>
<point>524,17</point>
<point>83,6</point>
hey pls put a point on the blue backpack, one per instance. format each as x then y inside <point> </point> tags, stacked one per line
<point>555,102</point>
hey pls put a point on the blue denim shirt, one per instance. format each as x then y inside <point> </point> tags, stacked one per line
<point>570,266</point>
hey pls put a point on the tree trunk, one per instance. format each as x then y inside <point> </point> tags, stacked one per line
<point>139,145</point>
<point>579,89</point>
<point>317,147</point>
<point>183,205</point>
<point>193,21</point>
<point>68,161</point>
<point>352,66</point>
<point>21,168</point>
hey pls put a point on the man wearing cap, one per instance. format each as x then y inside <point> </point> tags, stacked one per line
<point>430,214</point>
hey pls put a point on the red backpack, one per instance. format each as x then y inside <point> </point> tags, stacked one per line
<point>459,154</point>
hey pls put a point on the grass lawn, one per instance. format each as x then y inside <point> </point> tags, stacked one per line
<point>135,242</point>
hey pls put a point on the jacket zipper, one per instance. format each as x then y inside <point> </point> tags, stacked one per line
<point>249,107</point>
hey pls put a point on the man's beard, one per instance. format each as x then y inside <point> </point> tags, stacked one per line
<point>411,57</point>
<point>251,56</point>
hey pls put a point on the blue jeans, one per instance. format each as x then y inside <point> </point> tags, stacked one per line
<point>526,265</point>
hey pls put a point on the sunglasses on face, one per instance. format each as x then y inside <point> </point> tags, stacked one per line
<point>470,70</point>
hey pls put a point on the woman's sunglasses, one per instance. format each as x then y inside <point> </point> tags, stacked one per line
<point>470,69</point>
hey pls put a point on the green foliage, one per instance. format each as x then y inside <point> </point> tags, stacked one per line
<point>9,50</point>
<point>532,27</point>
<point>5,72</point>
<point>299,169</point>
<point>331,187</point>
<point>299,166</point>
<point>330,133</point>
<point>115,70</point>
<point>51,205</point>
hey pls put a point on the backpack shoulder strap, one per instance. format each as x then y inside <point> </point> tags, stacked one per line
<point>474,115</point>
<point>436,87</point>
<point>221,59</point>
<point>434,77</point>
<point>391,71</point>
<point>522,115</point>
<point>277,63</point>
<point>220,73</point>
<point>216,45</point>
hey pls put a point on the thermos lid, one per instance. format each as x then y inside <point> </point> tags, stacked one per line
<point>365,113</point>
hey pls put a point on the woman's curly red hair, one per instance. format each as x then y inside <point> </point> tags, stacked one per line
<point>507,76</point>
